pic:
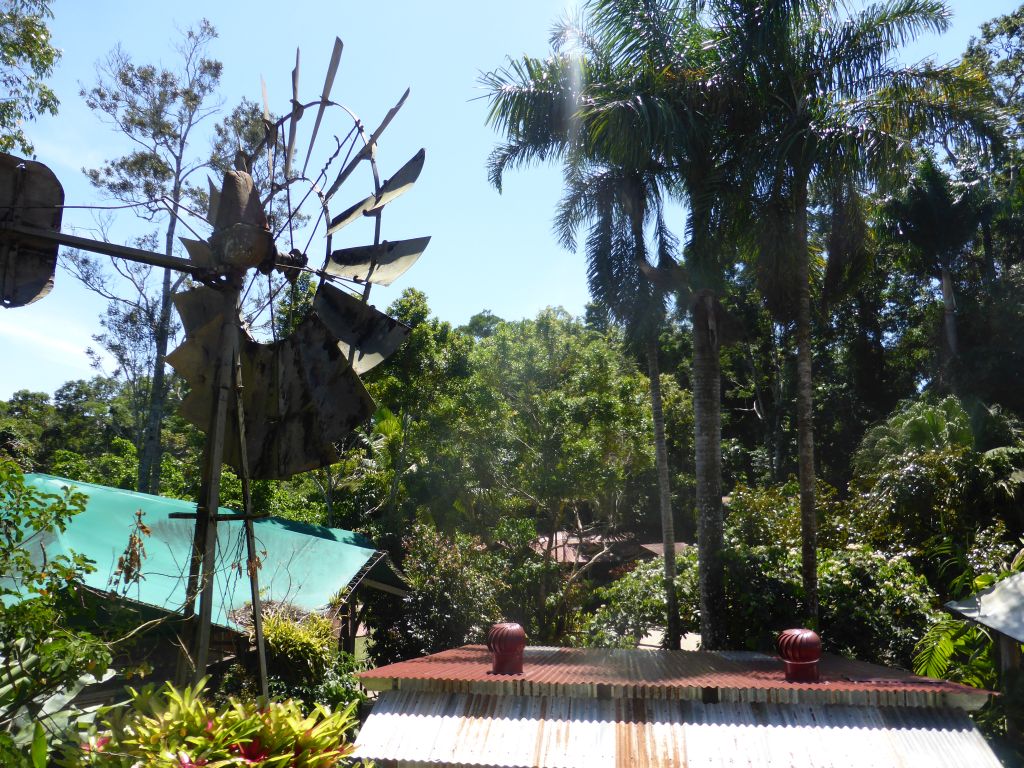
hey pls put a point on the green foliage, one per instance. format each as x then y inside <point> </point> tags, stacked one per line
<point>770,515</point>
<point>177,728</point>
<point>43,663</point>
<point>965,652</point>
<point>27,57</point>
<point>873,607</point>
<point>633,605</point>
<point>301,648</point>
<point>304,663</point>
<point>924,488</point>
<point>452,598</point>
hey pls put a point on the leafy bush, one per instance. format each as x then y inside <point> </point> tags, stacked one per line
<point>873,607</point>
<point>770,515</point>
<point>925,485</point>
<point>304,663</point>
<point>173,728</point>
<point>302,649</point>
<point>43,663</point>
<point>452,599</point>
<point>633,605</point>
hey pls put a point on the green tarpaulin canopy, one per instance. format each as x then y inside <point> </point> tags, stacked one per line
<point>305,565</point>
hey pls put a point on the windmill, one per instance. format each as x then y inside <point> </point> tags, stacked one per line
<point>270,408</point>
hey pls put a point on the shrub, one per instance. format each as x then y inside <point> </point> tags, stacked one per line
<point>451,600</point>
<point>303,661</point>
<point>872,607</point>
<point>173,728</point>
<point>43,662</point>
<point>633,605</point>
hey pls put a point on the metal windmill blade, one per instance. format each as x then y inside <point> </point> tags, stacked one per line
<point>30,195</point>
<point>378,264</point>
<point>398,184</point>
<point>302,394</point>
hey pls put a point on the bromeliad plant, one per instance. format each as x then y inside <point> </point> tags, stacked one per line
<point>175,728</point>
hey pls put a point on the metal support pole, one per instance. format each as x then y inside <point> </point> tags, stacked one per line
<point>252,562</point>
<point>205,544</point>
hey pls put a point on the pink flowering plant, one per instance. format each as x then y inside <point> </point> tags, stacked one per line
<point>171,728</point>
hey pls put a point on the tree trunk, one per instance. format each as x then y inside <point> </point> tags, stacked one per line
<point>708,449</point>
<point>152,445</point>
<point>668,535</point>
<point>948,312</point>
<point>805,415</point>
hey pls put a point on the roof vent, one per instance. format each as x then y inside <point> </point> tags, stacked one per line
<point>800,650</point>
<point>506,642</point>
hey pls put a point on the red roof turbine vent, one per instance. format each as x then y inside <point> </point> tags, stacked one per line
<point>800,650</point>
<point>506,642</point>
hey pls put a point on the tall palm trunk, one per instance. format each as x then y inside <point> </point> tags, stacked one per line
<point>668,534</point>
<point>805,412</point>
<point>708,449</point>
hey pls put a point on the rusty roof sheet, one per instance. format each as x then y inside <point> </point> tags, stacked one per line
<point>434,729</point>
<point>683,675</point>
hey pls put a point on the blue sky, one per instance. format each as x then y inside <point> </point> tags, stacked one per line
<point>488,251</point>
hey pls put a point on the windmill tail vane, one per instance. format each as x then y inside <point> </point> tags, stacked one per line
<point>269,409</point>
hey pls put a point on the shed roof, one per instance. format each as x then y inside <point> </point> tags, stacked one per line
<point>1000,607</point>
<point>593,708</point>
<point>717,676</point>
<point>302,564</point>
<point>430,729</point>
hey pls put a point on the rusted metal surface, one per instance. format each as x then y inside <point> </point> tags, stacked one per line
<point>401,182</point>
<point>30,195</point>
<point>679,675</point>
<point>424,729</point>
<point>300,394</point>
<point>378,264</point>
<point>365,336</point>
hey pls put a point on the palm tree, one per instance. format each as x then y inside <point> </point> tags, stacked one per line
<point>633,114</point>
<point>938,219</point>
<point>837,111</point>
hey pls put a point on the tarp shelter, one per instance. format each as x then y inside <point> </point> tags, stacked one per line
<point>302,564</point>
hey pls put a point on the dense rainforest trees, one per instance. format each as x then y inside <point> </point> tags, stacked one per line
<point>759,192</point>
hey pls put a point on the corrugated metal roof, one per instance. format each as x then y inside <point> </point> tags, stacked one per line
<point>1000,607</point>
<point>682,675</point>
<point>305,565</point>
<point>432,729</point>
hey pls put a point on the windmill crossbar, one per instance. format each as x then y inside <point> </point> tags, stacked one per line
<point>203,274</point>
<point>110,249</point>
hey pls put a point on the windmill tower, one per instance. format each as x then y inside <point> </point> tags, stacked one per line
<point>270,409</point>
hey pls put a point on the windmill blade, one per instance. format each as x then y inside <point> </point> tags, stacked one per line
<point>197,307</point>
<point>301,396</point>
<point>401,182</point>
<point>269,134</point>
<point>199,252</point>
<point>214,201</point>
<point>378,264</point>
<point>367,149</point>
<point>30,194</point>
<point>325,97</point>
<point>296,113</point>
<point>365,335</point>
